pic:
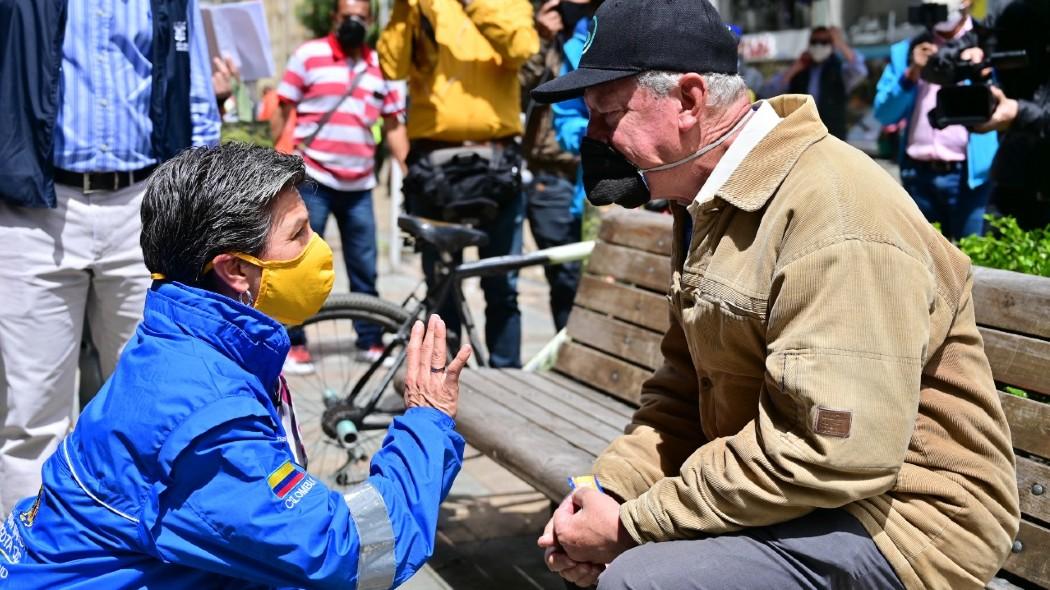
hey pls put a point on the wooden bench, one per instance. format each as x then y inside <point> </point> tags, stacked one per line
<point>546,426</point>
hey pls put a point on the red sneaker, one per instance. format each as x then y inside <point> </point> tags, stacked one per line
<point>299,361</point>
<point>372,354</point>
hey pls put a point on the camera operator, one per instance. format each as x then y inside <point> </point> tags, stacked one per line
<point>1022,111</point>
<point>946,171</point>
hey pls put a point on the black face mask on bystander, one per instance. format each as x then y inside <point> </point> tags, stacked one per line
<point>351,33</point>
<point>571,14</point>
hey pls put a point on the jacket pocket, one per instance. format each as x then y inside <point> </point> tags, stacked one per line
<point>731,300</point>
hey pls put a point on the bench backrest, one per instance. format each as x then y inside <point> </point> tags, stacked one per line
<point>620,313</point>
<point>1013,314</point>
<point>620,316</point>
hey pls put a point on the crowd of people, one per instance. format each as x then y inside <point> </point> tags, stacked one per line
<point>193,263</point>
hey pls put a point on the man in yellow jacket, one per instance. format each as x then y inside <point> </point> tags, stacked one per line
<point>461,58</point>
<point>825,416</point>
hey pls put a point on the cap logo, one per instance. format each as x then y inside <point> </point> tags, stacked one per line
<point>590,38</point>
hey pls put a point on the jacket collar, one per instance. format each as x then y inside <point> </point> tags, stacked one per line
<point>765,167</point>
<point>250,338</point>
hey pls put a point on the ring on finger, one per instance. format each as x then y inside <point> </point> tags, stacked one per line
<point>437,369</point>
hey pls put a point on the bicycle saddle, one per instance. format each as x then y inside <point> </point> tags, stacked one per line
<point>447,237</point>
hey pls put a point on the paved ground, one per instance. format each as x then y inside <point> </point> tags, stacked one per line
<point>491,519</point>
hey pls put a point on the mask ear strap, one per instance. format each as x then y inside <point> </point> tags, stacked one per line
<point>743,120</point>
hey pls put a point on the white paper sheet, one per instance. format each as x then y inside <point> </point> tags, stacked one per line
<point>239,30</point>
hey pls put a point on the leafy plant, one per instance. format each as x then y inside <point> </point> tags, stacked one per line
<point>1008,247</point>
<point>255,133</point>
<point>1016,391</point>
<point>316,16</point>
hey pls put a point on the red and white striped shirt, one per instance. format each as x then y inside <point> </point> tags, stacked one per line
<point>342,156</point>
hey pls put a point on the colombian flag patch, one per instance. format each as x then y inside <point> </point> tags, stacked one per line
<point>285,478</point>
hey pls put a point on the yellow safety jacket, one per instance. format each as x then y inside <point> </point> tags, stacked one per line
<point>461,63</point>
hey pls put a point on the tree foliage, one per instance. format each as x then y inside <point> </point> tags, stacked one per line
<point>316,16</point>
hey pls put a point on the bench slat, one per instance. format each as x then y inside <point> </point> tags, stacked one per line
<point>579,409</point>
<point>598,397</point>
<point>541,460</point>
<point>568,419</point>
<point>631,304</point>
<point>643,230</point>
<point>602,371</point>
<point>1029,474</point>
<point>1029,423</point>
<point>617,338</point>
<point>1012,301</point>
<point>519,401</point>
<point>642,269</point>
<point>1031,563</point>
<point>1021,361</point>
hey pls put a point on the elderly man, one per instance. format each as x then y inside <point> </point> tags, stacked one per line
<point>825,416</point>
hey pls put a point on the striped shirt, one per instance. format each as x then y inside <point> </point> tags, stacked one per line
<point>342,156</point>
<point>103,120</point>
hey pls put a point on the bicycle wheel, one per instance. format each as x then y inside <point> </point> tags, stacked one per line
<point>337,370</point>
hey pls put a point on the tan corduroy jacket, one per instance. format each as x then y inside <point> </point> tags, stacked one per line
<point>822,353</point>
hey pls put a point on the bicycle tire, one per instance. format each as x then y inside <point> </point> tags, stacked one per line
<point>339,464</point>
<point>371,307</point>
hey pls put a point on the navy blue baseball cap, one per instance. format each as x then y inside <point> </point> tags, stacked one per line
<point>629,37</point>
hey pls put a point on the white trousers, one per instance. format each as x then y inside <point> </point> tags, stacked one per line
<point>81,259</point>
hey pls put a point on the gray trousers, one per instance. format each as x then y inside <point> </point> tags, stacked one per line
<point>824,549</point>
<point>60,266</point>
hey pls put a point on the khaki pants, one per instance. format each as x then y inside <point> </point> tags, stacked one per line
<point>81,259</point>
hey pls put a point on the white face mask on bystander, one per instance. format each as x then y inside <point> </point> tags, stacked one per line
<point>956,14</point>
<point>820,51</point>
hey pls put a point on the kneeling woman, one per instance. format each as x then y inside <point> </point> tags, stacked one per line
<point>184,471</point>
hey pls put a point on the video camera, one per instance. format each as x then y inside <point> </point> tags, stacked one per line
<point>966,99</point>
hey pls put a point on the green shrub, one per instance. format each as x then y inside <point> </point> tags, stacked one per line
<point>316,16</point>
<point>255,133</point>
<point>1008,247</point>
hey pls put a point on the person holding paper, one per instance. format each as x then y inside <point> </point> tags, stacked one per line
<point>95,95</point>
<point>337,91</point>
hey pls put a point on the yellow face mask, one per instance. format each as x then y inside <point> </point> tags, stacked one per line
<point>291,291</point>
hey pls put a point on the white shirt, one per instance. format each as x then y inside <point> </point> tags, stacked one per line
<point>762,122</point>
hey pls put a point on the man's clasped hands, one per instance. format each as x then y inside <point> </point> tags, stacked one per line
<point>583,536</point>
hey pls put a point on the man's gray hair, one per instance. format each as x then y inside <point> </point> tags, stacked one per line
<point>208,201</point>
<point>722,89</point>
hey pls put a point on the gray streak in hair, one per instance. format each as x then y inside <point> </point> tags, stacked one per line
<point>208,201</point>
<point>722,89</point>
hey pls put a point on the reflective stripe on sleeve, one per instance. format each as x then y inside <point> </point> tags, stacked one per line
<point>376,563</point>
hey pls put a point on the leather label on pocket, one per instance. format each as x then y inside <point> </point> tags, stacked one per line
<point>830,422</point>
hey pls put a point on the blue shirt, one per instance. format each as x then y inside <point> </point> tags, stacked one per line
<point>103,120</point>
<point>179,474</point>
<point>571,116</point>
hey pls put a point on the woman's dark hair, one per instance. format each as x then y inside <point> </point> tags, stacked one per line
<point>207,201</point>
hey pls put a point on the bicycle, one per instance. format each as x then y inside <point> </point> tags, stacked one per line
<point>344,422</point>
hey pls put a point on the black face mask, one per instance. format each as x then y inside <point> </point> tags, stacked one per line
<point>351,33</point>
<point>609,177</point>
<point>571,13</point>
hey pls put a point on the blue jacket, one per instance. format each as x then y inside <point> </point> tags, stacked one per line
<point>895,100</point>
<point>571,116</point>
<point>179,475</point>
<point>31,35</point>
